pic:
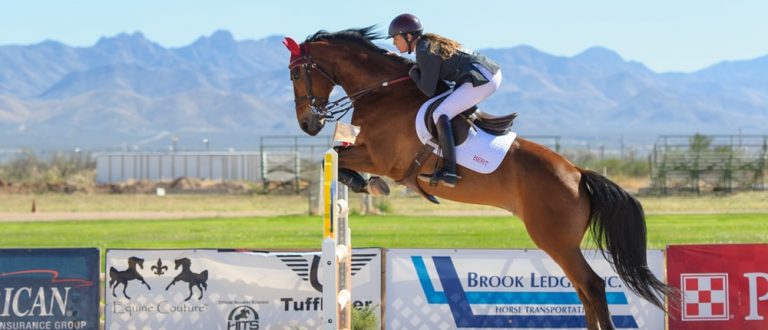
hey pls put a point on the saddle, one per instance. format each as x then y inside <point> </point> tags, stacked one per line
<point>461,124</point>
<point>470,118</point>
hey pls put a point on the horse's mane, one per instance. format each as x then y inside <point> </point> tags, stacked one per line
<point>361,36</point>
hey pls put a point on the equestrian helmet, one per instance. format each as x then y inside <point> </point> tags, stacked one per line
<point>405,23</point>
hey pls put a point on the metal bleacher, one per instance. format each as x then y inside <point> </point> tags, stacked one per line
<point>713,163</point>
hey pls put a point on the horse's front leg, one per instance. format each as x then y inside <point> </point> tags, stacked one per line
<point>172,283</point>
<point>356,158</point>
<point>141,278</point>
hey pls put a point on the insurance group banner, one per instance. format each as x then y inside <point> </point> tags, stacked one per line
<point>448,289</point>
<point>49,289</point>
<point>218,289</point>
<point>724,286</point>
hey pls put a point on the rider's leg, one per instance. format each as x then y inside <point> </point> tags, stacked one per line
<point>462,98</point>
<point>447,173</point>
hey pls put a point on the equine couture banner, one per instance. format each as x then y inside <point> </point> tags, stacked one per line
<point>511,289</point>
<point>49,289</point>
<point>218,289</point>
<point>723,286</point>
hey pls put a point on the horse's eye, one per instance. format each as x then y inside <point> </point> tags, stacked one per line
<point>294,74</point>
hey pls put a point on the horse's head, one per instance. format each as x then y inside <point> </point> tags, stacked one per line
<point>312,85</point>
<point>347,58</point>
<point>133,261</point>
<point>181,262</point>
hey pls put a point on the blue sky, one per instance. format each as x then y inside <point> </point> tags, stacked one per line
<point>665,35</point>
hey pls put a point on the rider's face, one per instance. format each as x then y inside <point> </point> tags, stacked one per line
<point>400,43</point>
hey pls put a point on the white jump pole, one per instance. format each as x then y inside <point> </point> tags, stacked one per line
<point>336,250</point>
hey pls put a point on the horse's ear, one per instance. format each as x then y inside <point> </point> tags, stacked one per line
<point>292,46</point>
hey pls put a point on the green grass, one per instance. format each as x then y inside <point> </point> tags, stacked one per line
<point>303,232</point>
<point>398,203</point>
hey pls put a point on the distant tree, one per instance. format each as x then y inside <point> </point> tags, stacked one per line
<point>699,142</point>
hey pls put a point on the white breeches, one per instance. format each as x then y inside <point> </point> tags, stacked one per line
<point>465,95</point>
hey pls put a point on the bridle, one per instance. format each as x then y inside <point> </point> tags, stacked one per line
<point>320,107</point>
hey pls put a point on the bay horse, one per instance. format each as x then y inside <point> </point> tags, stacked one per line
<point>117,277</point>
<point>194,279</point>
<point>557,201</point>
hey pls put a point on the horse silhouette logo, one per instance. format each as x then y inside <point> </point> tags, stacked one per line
<point>117,277</point>
<point>186,275</point>
<point>243,318</point>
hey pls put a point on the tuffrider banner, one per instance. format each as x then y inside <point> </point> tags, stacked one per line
<point>511,289</point>
<point>224,289</point>
<point>49,289</point>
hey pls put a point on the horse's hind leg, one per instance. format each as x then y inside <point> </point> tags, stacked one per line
<point>589,286</point>
<point>589,313</point>
<point>559,231</point>
<point>190,291</point>
<point>125,286</point>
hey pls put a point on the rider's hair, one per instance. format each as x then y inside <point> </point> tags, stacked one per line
<point>441,45</point>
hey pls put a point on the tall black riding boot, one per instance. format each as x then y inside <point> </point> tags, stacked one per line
<point>447,173</point>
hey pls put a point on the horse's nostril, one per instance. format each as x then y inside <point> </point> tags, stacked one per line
<point>304,126</point>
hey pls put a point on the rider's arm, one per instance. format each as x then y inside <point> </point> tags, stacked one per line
<point>427,74</point>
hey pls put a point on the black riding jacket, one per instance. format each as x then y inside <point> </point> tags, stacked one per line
<point>458,68</point>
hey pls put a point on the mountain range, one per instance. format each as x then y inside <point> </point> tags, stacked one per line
<point>126,91</point>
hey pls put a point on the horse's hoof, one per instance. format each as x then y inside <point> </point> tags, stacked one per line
<point>377,187</point>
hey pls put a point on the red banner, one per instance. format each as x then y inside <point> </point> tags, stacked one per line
<point>724,286</point>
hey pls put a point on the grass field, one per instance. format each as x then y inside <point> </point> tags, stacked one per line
<point>398,203</point>
<point>392,231</point>
<point>410,222</point>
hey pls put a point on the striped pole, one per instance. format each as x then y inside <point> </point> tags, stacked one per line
<point>336,249</point>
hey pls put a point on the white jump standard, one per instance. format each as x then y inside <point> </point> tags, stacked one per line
<point>336,249</point>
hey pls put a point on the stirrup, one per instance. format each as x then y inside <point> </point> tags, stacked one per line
<point>446,179</point>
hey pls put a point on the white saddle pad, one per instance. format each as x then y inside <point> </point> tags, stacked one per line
<point>480,152</point>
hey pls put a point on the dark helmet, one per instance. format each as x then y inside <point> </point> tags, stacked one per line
<point>405,23</point>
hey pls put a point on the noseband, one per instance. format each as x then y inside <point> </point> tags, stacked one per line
<point>304,62</point>
<point>320,107</point>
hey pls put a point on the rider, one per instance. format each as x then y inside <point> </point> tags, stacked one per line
<point>475,77</point>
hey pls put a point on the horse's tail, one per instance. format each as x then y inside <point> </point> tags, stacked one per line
<point>618,227</point>
<point>112,275</point>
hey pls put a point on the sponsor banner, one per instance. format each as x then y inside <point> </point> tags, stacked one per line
<point>722,286</point>
<point>513,289</point>
<point>218,289</point>
<point>49,289</point>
